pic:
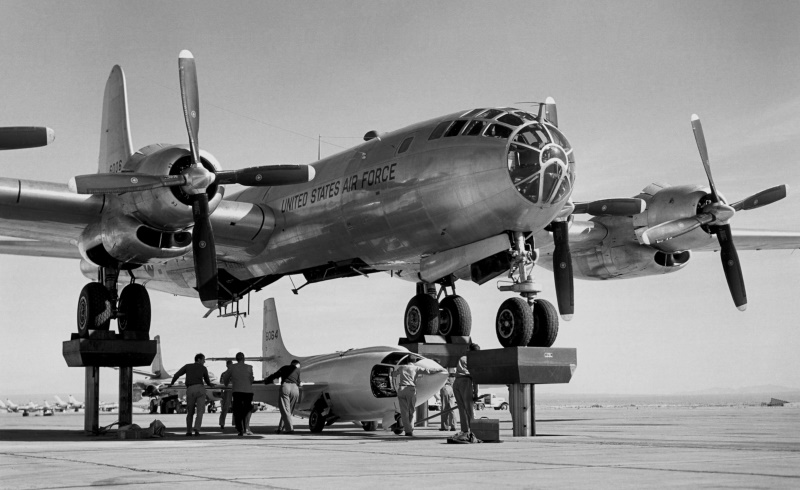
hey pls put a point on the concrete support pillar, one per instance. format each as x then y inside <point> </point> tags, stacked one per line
<point>91,410</point>
<point>523,411</point>
<point>422,414</point>
<point>125,395</point>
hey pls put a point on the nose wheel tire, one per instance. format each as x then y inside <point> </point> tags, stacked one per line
<point>514,323</point>
<point>545,324</point>
<point>421,318</point>
<point>455,317</point>
<point>134,309</point>
<point>94,309</point>
<point>316,421</point>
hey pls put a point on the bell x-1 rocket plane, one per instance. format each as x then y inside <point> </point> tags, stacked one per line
<point>355,385</point>
<point>472,195</point>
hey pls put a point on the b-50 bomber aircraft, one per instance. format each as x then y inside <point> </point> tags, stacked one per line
<point>472,195</point>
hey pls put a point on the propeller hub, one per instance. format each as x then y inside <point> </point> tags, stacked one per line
<point>722,212</point>
<point>198,178</point>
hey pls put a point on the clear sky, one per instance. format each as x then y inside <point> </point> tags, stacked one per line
<point>274,75</point>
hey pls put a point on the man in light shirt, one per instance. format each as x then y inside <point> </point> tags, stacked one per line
<point>406,375</point>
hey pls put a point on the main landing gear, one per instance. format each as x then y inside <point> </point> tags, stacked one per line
<point>426,315</point>
<point>98,304</point>
<point>520,322</point>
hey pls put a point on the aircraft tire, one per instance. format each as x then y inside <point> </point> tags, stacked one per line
<point>370,426</point>
<point>421,317</point>
<point>134,309</point>
<point>316,421</point>
<point>94,309</point>
<point>545,324</point>
<point>455,317</point>
<point>514,323</point>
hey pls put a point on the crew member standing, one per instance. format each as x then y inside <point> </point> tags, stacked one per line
<point>465,392</point>
<point>448,401</point>
<point>406,384</point>
<point>225,402</point>
<point>196,373</point>
<point>241,375</point>
<point>290,392</point>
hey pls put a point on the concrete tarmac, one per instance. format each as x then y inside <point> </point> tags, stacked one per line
<point>646,447</point>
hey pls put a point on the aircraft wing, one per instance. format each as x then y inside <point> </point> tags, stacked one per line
<point>46,212</point>
<point>271,393</point>
<point>758,240</point>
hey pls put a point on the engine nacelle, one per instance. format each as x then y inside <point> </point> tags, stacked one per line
<point>666,203</point>
<point>120,239</point>
<point>166,208</point>
<point>626,261</point>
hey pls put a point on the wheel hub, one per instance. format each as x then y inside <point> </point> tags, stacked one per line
<point>505,324</point>
<point>413,320</point>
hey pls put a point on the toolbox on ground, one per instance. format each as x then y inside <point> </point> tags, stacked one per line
<point>487,430</point>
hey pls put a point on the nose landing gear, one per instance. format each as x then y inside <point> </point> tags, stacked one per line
<point>525,321</point>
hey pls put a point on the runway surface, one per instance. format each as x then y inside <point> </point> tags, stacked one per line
<point>645,447</point>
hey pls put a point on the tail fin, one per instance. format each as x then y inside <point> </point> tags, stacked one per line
<point>272,349</point>
<point>59,401</point>
<point>73,400</point>
<point>115,139</point>
<point>158,366</point>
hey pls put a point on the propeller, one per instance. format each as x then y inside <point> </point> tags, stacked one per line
<point>562,257</point>
<point>562,270</point>
<point>195,181</point>
<point>611,207</point>
<point>716,215</point>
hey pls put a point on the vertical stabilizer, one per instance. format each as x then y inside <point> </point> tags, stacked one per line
<point>158,366</point>
<point>60,401</point>
<point>115,138</point>
<point>272,349</point>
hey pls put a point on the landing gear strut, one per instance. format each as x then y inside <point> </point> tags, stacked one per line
<point>98,304</point>
<point>525,321</point>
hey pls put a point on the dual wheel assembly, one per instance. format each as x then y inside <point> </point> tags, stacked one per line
<point>96,309</point>
<point>518,322</point>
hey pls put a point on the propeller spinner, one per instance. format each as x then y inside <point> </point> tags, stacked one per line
<point>195,181</point>
<point>716,215</point>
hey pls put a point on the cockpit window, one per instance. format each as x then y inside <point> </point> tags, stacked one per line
<point>541,163</point>
<point>474,128</point>
<point>439,130</point>
<point>498,131</point>
<point>511,119</point>
<point>394,358</point>
<point>473,112</point>
<point>405,144</point>
<point>490,114</point>
<point>455,128</point>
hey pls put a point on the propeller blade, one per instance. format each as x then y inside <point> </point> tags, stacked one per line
<point>120,183</point>
<point>550,112</point>
<point>190,98</point>
<point>205,255</point>
<point>675,228</point>
<point>267,175</point>
<point>767,196</point>
<point>562,270</point>
<point>731,266</point>
<point>700,139</point>
<point>611,207</point>
<point>16,137</point>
